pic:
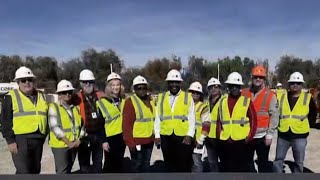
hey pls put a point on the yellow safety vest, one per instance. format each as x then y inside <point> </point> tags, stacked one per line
<point>144,123</point>
<point>112,116</point>
<point>214,117</point>
<point>237,126</point>
<point>71,126</point>
<point>177,121</point>
<point>198,109</point>
<point>297,119</point>
<point>27,117</point>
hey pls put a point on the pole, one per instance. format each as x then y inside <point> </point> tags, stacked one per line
<point>218,72</point>
<point>111,68</point>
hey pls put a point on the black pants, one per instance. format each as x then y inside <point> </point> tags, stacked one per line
<point>177,156</point>
<point>141,159</point>
<point>90,145</point>
<point>235,156</point>
<point>28,159</point>
<point>113,160</point>
<point>262,151</point>
<point>64,159</point>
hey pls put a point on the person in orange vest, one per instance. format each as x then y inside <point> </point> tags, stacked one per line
<point>266,106</point>
<point>94,125</point>
<point>236,127</point>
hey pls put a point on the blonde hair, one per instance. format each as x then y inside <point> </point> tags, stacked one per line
<point>108,90</point>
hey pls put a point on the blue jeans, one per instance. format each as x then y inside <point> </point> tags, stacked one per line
<point>211,145</point>
<point>197,163</point>
<point>141,159</point>
<point>298,150</point>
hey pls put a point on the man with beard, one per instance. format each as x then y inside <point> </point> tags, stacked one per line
<point>175,125</point>
<point>94,124</point>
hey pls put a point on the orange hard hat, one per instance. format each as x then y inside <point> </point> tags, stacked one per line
<point>259,71</point>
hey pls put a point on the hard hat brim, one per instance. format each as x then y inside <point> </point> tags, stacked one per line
<point>70,89</point>
<point>233,82</point>
<point>31,76</point>
<point>191,89</point>
<point>178,79</point>
<point>296,81</point>
<point>87,79</point>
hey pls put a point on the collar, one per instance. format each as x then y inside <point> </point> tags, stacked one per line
<point>176,94</point>
<point>65,105</point>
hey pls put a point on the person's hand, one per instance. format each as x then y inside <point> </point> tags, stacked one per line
<point>71,145</point>
<point>13,148</point>
<point>267,142</point>
<point>157,142</point>
<point>106,146</point>
<point>77,143</point>
<point>187,140</point>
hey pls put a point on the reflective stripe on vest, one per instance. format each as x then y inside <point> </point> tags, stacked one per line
<point>112,116</point>
<point>176,120</point>
<point>144,123</point>
<point>27,116</point>
<point>230,123</point>
<point>70,125</point>
<point>296,119</point>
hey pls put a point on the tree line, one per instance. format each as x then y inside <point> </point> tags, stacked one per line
<point>50,71</point>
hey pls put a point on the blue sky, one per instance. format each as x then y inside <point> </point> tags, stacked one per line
<point>139,30</point>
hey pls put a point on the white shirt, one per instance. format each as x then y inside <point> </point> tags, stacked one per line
<point>191,116</point>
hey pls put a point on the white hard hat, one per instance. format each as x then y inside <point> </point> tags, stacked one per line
<point>234,78</point>
<point>196,86</point>
<point>174,75</point>
<point>23,72</point>
<point>296,77</point>
<point>64,85</point>
<point>279,84</point>
<point>113,76</point>
<point>86,75</point>
<point>213,81</point>
<point>139,80</point>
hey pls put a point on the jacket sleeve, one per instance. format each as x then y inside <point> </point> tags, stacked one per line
<point>129,117</point>
<point>7,120</point>
<point>274,117</point>
<point>312,116</point>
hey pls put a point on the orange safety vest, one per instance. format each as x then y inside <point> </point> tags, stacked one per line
<point>99,94</point>
<point>261,105</point>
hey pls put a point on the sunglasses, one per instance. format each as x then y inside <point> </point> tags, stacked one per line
<point>87,82</point>
<point>66,92</point>
<point>25,80</point>
<point>297,83</point>
<point>195,92</point>
<point>141,88</point>
<point>258,77</point>
<point>214,87</point>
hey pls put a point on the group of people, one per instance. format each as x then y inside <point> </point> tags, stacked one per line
<point>97,126</point>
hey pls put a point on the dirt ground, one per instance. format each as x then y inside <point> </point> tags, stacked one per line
<point>312,161</point>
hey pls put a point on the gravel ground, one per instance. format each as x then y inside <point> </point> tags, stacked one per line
<point>312,162</point>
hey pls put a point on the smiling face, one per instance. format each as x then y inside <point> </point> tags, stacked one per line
<point>174,87</point>
<point>87,86</point>
<point>295,87</point>
<point>258,81</point>
<point>214,90</point>
<point>141,90</point>
<point>66,96</point>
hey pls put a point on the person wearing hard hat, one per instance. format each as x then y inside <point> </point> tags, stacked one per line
<point>175,125</point>
<point>297,112</point>
<point>24,123</point>
<point>266,106</point>
<point>202,116</point>
<point>280,90</point>
<point>236,127</point>
<point>138,122</point>
<point>66,128</point>
<point>211,142</point>
<point>110,108</point>
<point>91,146</point>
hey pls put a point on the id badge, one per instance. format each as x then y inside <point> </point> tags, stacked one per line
<point>94,115</point>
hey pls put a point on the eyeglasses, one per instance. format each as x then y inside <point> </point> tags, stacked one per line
<point>25,80</point>
<point>87,82</point>
<point>297,83</point>
<point>141,88</point>
<point>195,92</point>
<point>66,92</point>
